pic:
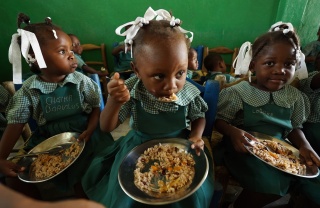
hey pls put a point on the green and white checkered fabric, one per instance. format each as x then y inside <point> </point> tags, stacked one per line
<point>189,96</point>
<point>230,105</point>
<point>26,101</point>
<point>314,97</point>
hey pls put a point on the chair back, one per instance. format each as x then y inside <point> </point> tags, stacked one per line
<point>92,49</point>
<point>96,79</point>
<point>223,51</point>
<point>211,96</point>
<point>210,93</point>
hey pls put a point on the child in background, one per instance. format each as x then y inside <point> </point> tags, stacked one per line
<point>311,86</point>
<point>160,50</point>
<point>82,66</point>
<point>4,100</point>
<point>267,105</point>
<point>192,64</point>
<point>123,60</point>
<point>215,65</point>
<point>57,98</point>
<point>310,51</point>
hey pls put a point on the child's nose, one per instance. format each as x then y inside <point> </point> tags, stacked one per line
<point>170,85</point>
<point>71,55</point>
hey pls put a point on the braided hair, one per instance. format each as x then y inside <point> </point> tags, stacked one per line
<point>157,30</point>
<point>270,38</point>
<point>43,32</point>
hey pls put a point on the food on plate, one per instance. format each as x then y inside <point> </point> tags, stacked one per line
<point>171,98</point>
<point>279,156</point>
<point>164,168</point>
<point>46,165</point>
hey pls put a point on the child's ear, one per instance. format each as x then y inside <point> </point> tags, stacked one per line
<point>134,68</point>
<point>252,66</point>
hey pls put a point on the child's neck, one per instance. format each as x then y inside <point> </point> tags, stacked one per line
<point>52,79</point>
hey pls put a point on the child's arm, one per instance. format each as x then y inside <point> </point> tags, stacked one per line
<point>118,49</point>
<point>119,94</point>
<point>236,135</point>
<point>197,127</point>
<point>92,124</point>
<point>297,138</point>
<point>8,140</point>
<point>91,70</point>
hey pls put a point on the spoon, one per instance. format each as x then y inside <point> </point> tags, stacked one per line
<point>53,150</point>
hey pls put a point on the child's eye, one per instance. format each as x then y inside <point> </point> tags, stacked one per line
<point>269,63</point>
<point>159,76</point>
<point>180,73</point>
<point>290,64</point>
<point>62,52</point>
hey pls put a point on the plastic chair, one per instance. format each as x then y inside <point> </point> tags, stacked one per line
<point>223,51</point>
<point>102,62</point>
<point>96,78</point>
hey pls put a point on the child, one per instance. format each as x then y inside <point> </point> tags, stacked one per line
<point>215,65</point>
<point>123,60</point>
<point>82,66</point>
<point>267,105</point>
<point>311,50</point>
<point>160,51</point>
<point>4,100</point>
<point>57,98</point>
<point>192,64</point>
<point>311,87</point>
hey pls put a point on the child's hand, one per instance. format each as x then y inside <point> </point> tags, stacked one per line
<point>198,144</point>
<point>9,168</point>
<point>85,136</point>
<point>238,139</point>
<point>118,90</point>
<point>309,155</point>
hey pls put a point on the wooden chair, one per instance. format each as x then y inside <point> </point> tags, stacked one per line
<point>223,51</point>
<point>96,62</point>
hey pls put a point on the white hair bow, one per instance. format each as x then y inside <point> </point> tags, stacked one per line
<point>150,14</point>
<point>242,62</point>
<point>27,39</point>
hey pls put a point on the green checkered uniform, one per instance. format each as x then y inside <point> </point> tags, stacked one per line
<point>150,119</point>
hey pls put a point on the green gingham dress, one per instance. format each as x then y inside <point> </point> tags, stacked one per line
<point>252,173</point>
<point>150,119</point>
<point>84,96</point>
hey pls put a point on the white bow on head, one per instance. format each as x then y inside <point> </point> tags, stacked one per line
<point>150,14</point>
<point>27,39</point>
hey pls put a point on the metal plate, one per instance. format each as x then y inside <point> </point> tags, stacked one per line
<point>311,172</point>
<point>128,165</point>
<point>64,139</point>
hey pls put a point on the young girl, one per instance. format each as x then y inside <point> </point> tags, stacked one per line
<point>267,105</point>
<point>311,87</point>
<point>57,98</point>
<point>160,51</point>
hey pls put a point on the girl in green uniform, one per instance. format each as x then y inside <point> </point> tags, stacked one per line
<point>56,97</point>
<point>267,105</point>
<point>311,86</point>
<point>160,52</point>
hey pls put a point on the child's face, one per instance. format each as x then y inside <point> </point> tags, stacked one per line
<point>274,67</point>
<point>58,56</point>
<point>193,61</point>
<point>77,48</point>
<point>162,67</point>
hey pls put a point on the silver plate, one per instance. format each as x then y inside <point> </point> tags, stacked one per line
<point>64,139</point>
<point>311,172</point>
<point>128,165</point>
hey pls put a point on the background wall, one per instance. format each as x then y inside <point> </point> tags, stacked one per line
<point>214,22</point>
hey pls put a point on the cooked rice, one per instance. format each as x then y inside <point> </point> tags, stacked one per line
<point>171,98</point>
<point>46,165</point>
<point>280,157</point>
<point>164,169</point>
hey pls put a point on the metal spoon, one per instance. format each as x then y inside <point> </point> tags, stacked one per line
<point>53,150</point>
